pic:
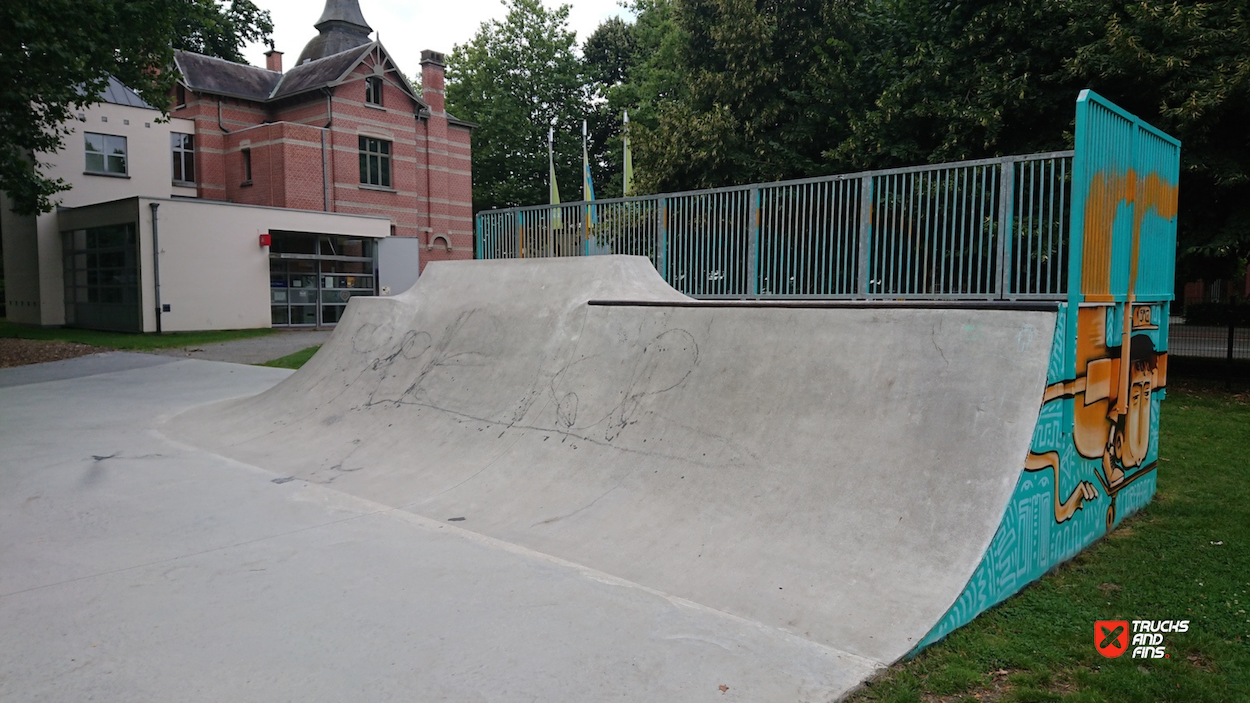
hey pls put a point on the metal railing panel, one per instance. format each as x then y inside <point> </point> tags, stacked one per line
<point>807,238</point>
<point>975,230</point>
<point>1042,203</point>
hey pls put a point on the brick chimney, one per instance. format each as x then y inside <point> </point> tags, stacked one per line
<point>273,60</point>
<point>432,63</point>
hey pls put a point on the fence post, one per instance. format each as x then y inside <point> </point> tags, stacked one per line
<point>753,245</point>
<point>1006,211</point>
<point>478,252</point>
<point>661,243</point>
<point>865,233</point>
<point>515,221</point>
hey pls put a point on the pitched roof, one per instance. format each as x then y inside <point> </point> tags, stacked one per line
<point>220,77</point>
<point>209,74</point>
<point>118,94</point>
<point>319,73</point>
<point>347,11</point>
<point>333,39</point>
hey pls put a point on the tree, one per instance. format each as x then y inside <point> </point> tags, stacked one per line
<point>516,78</point>
<point>764,88</point>
<point>949,81</point>
<point>610,52</point>
<point>993,77</point>
<point>768,89</point>
<point>1184,67</point>
<point>207,27</point>
<point>609,55</point>
<point>56,57</point>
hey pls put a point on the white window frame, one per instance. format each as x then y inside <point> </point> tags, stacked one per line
<point>105,153</point>
<point>373,89</point>
<point>183,147</point>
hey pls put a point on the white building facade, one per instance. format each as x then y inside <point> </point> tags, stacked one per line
<point>129,247</point>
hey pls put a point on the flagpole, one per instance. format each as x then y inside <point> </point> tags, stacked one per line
<point>627,182</point>
<point>553,191</point>
<point>586,193</point>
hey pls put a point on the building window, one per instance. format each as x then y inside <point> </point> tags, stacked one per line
<point>106,154</point>
<point>373,90</point>
<point>183,146</point>
<point>375,162</point>
<point>180,95</point>
<point>247,166</point>
<point>101,272</point>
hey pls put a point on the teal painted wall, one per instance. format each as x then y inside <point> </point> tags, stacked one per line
<point>1046,524</point>
<point>1095,447</point>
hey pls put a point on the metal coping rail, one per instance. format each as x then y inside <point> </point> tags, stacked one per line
<point>1024,306</point>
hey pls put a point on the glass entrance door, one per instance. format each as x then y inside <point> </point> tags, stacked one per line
<point>101,268</point>
<point>313,277</point>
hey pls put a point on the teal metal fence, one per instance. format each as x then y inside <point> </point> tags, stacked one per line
<point>991,229</point>
<point>932,232</point>
<point>1125,175</point>
<point>1125,184</point>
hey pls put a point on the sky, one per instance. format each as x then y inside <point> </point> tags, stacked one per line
<point>408,26</point>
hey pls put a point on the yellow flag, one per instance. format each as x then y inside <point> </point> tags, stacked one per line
<point>629,161</point>
<point>556,219</point>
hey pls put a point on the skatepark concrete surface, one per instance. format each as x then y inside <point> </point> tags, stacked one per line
<point>830,473</point>
<point>138,568</point>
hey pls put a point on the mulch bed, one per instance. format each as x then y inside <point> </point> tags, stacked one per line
<point>20,352</point>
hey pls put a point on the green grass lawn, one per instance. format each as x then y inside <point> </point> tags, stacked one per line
<point>124,340</point>
<point>293,361</point>
<point>1184,557</point>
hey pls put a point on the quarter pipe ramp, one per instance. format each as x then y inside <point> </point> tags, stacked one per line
<point>835,471</point>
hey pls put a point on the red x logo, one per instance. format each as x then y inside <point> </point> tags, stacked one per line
<point>1111,637</point>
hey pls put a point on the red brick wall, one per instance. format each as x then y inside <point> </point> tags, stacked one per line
<point>286,166</point>
<point>395,122</point>
<point>213,168</point>
<point>431,181</point>
<point>450,215</point>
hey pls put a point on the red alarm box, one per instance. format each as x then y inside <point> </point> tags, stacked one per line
<point>264,240</point>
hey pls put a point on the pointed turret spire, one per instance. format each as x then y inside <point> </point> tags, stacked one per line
<point>346,11</point>
<point>342,26</point>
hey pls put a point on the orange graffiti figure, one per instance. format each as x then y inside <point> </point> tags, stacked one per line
<point>1111,419</point>
<point>1111,391</point>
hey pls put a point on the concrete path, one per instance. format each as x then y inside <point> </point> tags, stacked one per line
<point>138,568</point>
<point>256,350</point>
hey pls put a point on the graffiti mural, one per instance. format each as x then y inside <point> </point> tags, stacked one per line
<point>1114,399</point>
<point>1078,484</point>
<point>1092,458</point>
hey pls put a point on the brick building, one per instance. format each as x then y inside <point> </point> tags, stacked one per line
<point>270,198</point>
<point>343,130</point>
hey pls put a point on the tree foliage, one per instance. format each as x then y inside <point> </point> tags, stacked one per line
<point>948,81</point>
<point>56,57</point>
<point>725,92</point>
<point>515,78</point>
<point>760,89</point>
<point>773,89</point>
<point>1185,68</point>
<point>610,53</point>
<point>209,27</point>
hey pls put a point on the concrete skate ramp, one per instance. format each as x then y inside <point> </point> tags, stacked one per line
<point>834,471</point>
